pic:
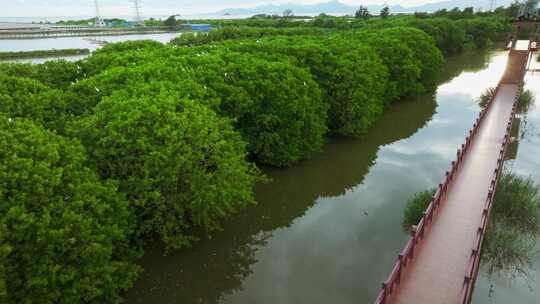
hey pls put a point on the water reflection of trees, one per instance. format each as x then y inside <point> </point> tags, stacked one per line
<point>218,265</point>
<point>471,61</point>
<point>508,253</point>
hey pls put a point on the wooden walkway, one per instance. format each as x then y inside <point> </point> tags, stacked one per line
<point>439,264</point>
<point>437,272</point>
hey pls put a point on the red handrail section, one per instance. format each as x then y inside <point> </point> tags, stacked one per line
<point>407,254</point>
<point>474,260</point>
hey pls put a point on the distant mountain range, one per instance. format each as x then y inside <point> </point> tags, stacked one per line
<point>338,8</point>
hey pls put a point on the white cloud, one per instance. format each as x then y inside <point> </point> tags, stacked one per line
<point>21,8</point>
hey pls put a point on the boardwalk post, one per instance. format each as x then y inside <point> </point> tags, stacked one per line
<point>401,265</point>
<point>413,243</point>
<point>385,292</point>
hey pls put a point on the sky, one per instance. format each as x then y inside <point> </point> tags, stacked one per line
<point>45,8</point>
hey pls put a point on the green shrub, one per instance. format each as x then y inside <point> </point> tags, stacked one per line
<point>352,78</point>
<point>404,69</point>
<point>415,208</point>
<point>282,126</point>
<point>57,74</point>
<point>145,79</point>
<point>240,32</point>
<point>526,99</point>
<point>30,99</point>
<point>356,92</point>
<point>449,37</point>
<point>132,45</point>
<point>64,234</point>
<point>122,54</point>
<point>276,106</point>
<point>486,96</point>
<point>180,165</point>
<point>484,30</point>
<point>424,50</point>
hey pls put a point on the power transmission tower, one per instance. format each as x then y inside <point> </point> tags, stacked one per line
<point>137,7</point>
<point>99,21</point>
<point>492,5</point>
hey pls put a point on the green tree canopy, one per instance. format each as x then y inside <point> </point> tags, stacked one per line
<point>28,98</point>
<point>358,82</point>
<point>401,62</point>
<point>362,13</point>
<point>449,37</point>
<point>385,12</point>
<point>125,54</point>
<point>179,164</point>
<point>55,74</point>
<point>424,49</point>
<point>276,106</point>
<point>171,21</point>
<point>352,77</point>
<point>144,79</point>
<point>64,233</point>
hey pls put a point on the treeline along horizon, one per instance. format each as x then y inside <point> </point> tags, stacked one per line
<point>145,141</point>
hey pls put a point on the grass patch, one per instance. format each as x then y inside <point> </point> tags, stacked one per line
<point>43,53</point>
<point>517,203</point>
<point>486,96</point>
<point>526,99</point>
<point>416,205</point>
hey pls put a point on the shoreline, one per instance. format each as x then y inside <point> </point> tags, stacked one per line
<point>45,35</point>
<point>42,53</point>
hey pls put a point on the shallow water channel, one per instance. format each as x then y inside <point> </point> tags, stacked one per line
<point>92,43</point>
<point>329,229</point>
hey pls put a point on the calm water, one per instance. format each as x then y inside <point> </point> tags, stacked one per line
<point>91,43</point>
<point>329,229</point>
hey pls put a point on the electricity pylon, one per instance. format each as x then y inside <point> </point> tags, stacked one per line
<point>137,7</point>
<point>492,5</point>
<point>99,21</point>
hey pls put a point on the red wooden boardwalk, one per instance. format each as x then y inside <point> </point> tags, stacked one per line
<point>439,264</point>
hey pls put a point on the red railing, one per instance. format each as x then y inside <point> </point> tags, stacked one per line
<point>474,260</point>
<point>407,254</point>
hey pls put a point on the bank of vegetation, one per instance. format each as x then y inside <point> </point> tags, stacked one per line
<point>145,141</point>
<point>43,53</point>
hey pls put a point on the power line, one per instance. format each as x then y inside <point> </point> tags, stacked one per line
<point>99,21</point>
<point>492,5</point>
<point>137,7</point>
